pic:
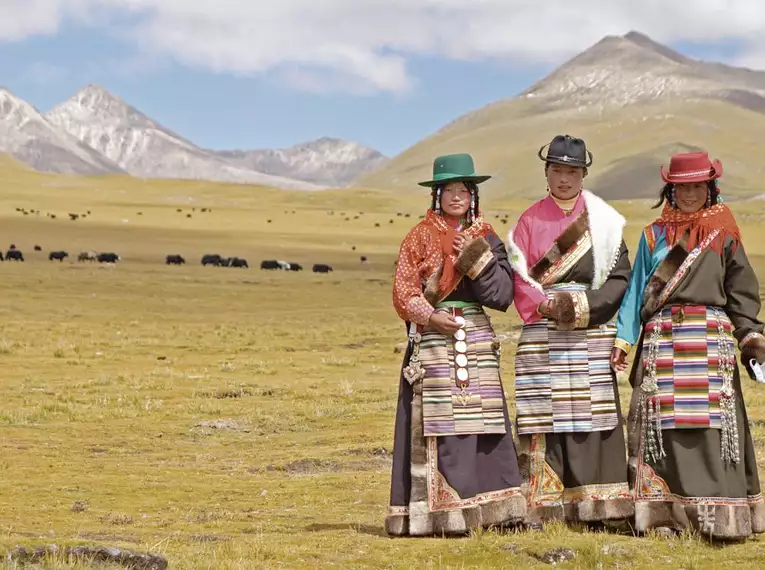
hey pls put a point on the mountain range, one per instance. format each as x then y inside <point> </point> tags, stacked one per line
<point>633,100</point>
<point>96,132</point>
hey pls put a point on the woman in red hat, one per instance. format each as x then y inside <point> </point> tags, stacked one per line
<point>454,462</point>
<point>692,296</point>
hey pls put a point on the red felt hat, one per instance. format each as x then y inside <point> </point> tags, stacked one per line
<point>691,167</point>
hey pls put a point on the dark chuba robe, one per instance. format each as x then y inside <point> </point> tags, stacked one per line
<point>682,474</point>
<point>571,449</point>
<point>451,484</point>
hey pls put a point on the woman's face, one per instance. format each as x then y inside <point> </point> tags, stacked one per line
<point>690,197</point>
<point>564,182</point>
<point>455,199</point>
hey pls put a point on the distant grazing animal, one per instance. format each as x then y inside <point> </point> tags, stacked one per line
<point>236,262</point>
<point>283,265</point>
<point>59,255</point>
<point>73,216</point>
<point>87,256</point>
<point>14,254</point>
<point>174,259</point>
<point>296,267</point>
<point>363,259</point>
<point>108,258</point>
<point>269,264</point>
<point>212,259</point>
<point>1,256</point>
<point>321,268</point>
<point>38,248</point>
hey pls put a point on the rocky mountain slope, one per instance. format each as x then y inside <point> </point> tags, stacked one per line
<point>144,148</point>
<point>327,161</point>
<point>632,99</point>
<point>30,137</point>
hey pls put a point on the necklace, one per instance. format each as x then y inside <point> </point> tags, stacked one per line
<point>566,205</point>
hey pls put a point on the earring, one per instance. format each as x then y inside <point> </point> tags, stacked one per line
<point>472,207</point>
<point>672,200</point>
<point>709,198</point>
<point>438,201</point>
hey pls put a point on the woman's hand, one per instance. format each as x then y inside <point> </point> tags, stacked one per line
<point>547,307</point>
<point>444,323</point>
<point>458,244</point>
<point>618,359</point>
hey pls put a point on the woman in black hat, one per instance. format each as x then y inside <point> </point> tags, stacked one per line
<point>571,271</point>
<point>454,462</point>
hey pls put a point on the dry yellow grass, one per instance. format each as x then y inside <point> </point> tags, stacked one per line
<point>113,375</point>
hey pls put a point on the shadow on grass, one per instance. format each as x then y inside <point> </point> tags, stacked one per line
<point>361,528</point>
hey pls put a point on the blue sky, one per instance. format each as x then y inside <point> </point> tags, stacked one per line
<point>218,101</point>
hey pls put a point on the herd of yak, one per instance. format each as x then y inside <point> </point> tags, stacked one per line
<point>14,254</point>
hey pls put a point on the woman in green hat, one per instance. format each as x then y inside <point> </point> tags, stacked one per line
<point>454,461</point>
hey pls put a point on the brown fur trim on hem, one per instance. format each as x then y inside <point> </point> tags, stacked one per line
<point>584,511</point>
<point>758,516</point>
<point>562,244</point>
<point>717,521</point>
<point>471,254</point>
<point>460,522</point>
<point>664,272</point>
<point>397,525</point>
<point>548,514</point>
<point>605,510</point>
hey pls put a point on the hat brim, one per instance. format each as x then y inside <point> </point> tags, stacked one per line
<point>715,172</point>
<point>572,163</point>
<point>478,179</point>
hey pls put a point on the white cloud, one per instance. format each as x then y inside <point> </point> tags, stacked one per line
<point>362,45</point>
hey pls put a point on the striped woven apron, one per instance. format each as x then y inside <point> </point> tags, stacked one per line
<point>461,390</point>
<point>563,379</point>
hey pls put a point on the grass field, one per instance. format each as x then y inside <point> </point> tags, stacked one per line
<point>237,418</point>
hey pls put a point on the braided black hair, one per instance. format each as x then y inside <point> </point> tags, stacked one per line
<point>435,195</point>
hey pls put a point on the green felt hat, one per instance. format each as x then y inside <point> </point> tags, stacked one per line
<point>454,168</point>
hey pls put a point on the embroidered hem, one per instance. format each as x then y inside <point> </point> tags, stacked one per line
<point>549,499</point>
<point>716,517</point>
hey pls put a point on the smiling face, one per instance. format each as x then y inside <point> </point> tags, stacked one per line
<point>691,197</point>
<point>455,200</point>
<point>564,182</point>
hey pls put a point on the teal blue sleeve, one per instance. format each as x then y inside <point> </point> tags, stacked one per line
<point>628,321</point>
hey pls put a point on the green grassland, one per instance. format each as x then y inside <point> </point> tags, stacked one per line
<point>238,418</point>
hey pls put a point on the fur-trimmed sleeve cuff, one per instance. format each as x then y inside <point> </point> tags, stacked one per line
<point>474,258</point>
<point>572,310</point>
<point>752,348</point>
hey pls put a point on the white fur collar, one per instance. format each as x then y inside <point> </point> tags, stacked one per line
<point>519,264</point>
<point>606,227</point>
